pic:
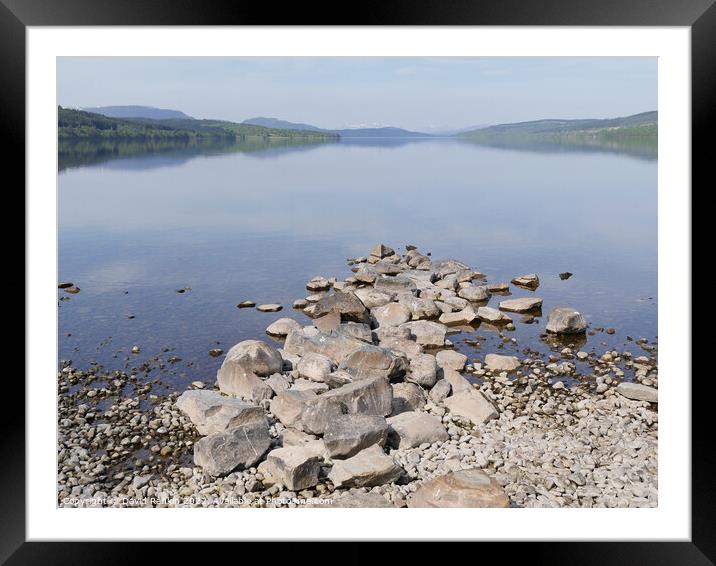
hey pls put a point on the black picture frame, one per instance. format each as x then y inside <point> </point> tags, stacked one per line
<point>698,15</point>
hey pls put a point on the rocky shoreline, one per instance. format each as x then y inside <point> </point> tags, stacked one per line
<point>371,406</point>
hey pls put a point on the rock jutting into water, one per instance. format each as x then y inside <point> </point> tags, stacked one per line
<point>371,405</point>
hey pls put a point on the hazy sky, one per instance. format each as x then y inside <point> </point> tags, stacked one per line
<point>415,93</point>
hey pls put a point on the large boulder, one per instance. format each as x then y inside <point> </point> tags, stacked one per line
<point>371,396</point>
<point>315,366</point>
<point>638,392</point>
<point>423,370</point>
<point>240,382</point>
<point>413,428</point>
<point>212,412</point>
<point>472,406</point>
<point>347,435</point>
<point>296,467</point>
<point>461,489</point>
<point>367,468</point>
<point>524,304</point>
<point>498,362</point>
<point>566,320</point>
<point>241,447</point>
<point>336,344</point>
<point>407,397</point>
<point>373,361</point>
<point>426,332</point>
<point>252,355</point>
<point>347,305</point>
<point>392,314</point>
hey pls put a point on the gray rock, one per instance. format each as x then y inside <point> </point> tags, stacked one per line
<point>524,304</point>
<point>347,305</point>
<point>419,308</point>
<point>296,467</point>
<point>354,500</point>
<point>372,298</point>
<point>269,307</point>
<point>241,447</point>
<point>488,314</point>
<point>427,333</point>
<point>451,359</point>
<point>474,293</point>
<point>411,429</point>
<point>240,382</point>
<point>373,361</point>
<point>531,281</point>
<point>423,370</point>
<point>336,344</point>
<point>282,326</point>
<point>278,383</point>
<point>638,392</point>
<point>497,362</point>
<point>358,330</point>
<point>472,406</point>
<point>440,391</point>
<point>315,366</point>
<point>253,355</point>
<point>458,383</point>
<point>347,435</point>
<point>407,397</point>
<point>566,320</point>
<point>372,396</point>
<point>289,406</point>
<point>381,250</point>
<point>367,468</point>
<point>461,489</point>
<point>392,285</point>
<point>461,318</point>
<point>392,314</point>
<point>445,267</point>
<point>212,412</point>
<point>318,284</point>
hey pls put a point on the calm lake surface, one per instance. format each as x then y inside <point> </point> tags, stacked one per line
<point>257,221</point>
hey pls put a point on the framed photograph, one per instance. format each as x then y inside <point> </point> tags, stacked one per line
<point>419,276</point>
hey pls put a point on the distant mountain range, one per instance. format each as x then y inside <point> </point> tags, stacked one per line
<point>643,124</point>
<point>384,132</point>
<point>161,122</point>
<point>138,112</point>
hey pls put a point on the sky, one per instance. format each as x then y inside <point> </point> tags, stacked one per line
<point>428,94</point>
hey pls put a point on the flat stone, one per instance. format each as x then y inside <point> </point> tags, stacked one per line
<point>354,500</point>
<point>472,406</point>
<point>372,298</point>
<point>460,318</point>
<point>638,392</point>
<point>497,362</point>
<point>427,333</point>
<point>566,320</point>
<point>523,304</point>
<point>269,307</point>
<point>239,448</point>
<point>246,304</point>
<point>318,284</point>
<point>282,327</point>
<point>211,412</point>
<point>413,428</point>
<point>397,284</point>
<point>347,435</point>
<point>367,468</point>
<point>461,489</point>
<point>489,314</point>
<point>531,281</point>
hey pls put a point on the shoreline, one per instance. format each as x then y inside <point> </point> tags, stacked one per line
<point>544,435</point>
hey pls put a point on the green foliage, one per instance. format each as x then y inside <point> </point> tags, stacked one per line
<point>77,124</point>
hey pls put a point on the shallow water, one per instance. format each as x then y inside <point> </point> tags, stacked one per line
<point>239,222</point>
